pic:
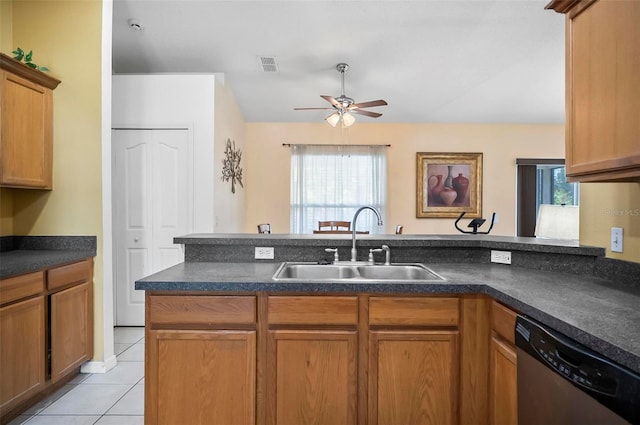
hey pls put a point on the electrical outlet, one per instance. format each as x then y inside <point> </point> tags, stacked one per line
<point>264,253</point>
<point>617,239</point>
<point>502,257</point>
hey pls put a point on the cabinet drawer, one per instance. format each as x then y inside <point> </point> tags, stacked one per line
<point>67,275</point>
<point>413,311</point>
<point>23,286</point>
<point>503,321</point>
<point>201,309</point>
<point>313,310</point>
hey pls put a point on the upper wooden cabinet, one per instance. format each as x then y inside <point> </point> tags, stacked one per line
<point>602,89</point>
<point>26,134</point>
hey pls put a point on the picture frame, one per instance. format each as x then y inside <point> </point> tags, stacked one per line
<point>448,184</point>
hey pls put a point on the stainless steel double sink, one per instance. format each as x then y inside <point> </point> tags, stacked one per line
<point>361,273</point>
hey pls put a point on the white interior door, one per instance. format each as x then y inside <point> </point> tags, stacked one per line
<point>151,206</point>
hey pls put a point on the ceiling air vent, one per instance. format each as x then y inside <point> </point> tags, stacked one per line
<point>268,63</point>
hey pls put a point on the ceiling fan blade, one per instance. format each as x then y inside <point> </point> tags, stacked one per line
<point>330,99</point>
<point>310,109</point>
<point>367,113</point>
<point>370,104</point>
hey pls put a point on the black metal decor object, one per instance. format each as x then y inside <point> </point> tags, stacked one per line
<point>231,169</point>
<point>475,223</point>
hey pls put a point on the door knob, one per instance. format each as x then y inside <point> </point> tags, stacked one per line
<point>136,239</point>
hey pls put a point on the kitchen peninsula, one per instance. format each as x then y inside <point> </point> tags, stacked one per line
<point>226,341</point>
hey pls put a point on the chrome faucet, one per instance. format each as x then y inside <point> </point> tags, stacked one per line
<point>353,231</point>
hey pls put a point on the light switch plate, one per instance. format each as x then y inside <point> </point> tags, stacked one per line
<point>617,239</point>
<point>264,253</point>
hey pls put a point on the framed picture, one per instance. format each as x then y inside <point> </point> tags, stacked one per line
<point>449,184</point>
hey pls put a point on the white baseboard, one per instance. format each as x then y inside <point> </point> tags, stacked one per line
<point>99,367</point>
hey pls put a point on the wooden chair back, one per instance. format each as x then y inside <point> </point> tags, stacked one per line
<point>334,225</point>
<point>264,228</point>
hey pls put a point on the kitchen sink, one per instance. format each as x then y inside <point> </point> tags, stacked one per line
<point>413,272</point>
<point>398,272</point>
<point>315,271</point>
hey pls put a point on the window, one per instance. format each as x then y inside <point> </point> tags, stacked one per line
<point>331,182</point>
<point>541,181</point>
<point>553,187</point>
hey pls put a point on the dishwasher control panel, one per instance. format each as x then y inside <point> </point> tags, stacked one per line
<point>572,364</point>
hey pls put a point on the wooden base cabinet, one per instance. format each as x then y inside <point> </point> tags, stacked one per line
<point>46,333</point>
<point>201,377</point>
<point>312,377</point>
<point>503,383</point>
<point>71,329</point>
<point>333,359</point>
<point>413,377</point>
<point>311,374</point>
<point>200,360</point>
<point>413,360</point>
<point>22,351</point>
<point>503,376</point>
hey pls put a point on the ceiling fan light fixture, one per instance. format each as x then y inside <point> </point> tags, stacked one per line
<point>348,119</point>
<point>333,119</point>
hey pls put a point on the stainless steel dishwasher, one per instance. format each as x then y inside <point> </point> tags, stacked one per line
<point>562,382</point>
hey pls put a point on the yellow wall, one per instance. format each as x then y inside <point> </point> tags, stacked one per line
<point>6,46</point>
<point>6,25</point>
<point>6,212</point>
<point>66,37</point>
<point>268,167</point>
<point>607,205</point>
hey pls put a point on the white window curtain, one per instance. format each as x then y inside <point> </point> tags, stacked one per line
<point>330,182</point>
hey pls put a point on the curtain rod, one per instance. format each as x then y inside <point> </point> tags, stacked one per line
<point>319,144</point>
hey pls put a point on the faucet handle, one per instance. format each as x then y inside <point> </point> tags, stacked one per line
<point>335,254</point>
<point>371,251</point>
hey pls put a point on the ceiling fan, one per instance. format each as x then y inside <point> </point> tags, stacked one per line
<point>344,107</point>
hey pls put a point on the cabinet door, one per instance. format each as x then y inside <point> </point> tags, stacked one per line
<point>22,352</point>
<point>200,377</point>
<point>603,64</point>
<point>71,329</point>
<point>413,377</point>
<point>503,383</point>
<point>27,133</point>
<point>312,377</point>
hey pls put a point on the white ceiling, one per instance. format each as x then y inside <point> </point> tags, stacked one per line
<point>448,61</point>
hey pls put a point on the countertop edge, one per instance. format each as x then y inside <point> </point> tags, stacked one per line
<point>34,261</point>
<point>404,240</point>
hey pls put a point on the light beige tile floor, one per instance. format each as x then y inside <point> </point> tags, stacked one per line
<point>112,398</point>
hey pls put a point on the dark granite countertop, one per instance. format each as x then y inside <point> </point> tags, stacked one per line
<point>597,313</point>
<point>551,246</point>
<point>26,254</point>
